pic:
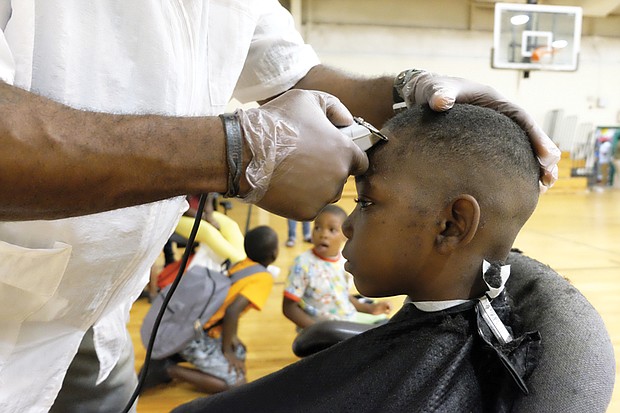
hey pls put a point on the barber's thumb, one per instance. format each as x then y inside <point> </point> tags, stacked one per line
<point>442,100</point>
<point>359,162</point>
<point>336,112</point>
<point>439,92</point>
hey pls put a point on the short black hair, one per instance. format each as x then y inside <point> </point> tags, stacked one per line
<point>261,244</point>
<point>476,150</point>
<point>334,210</point>
<point>470,134</point>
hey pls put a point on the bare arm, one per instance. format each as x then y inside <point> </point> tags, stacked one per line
<point>370,98</point>
<point>58,162</point>
<point>376,307</point>
<point>230,326</point>
<point>295,313</point>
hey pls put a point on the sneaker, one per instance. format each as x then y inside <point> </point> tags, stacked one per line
<point>290,242</point>
<point>308,239</point>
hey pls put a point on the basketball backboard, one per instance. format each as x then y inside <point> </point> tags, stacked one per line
<point>536,37</point>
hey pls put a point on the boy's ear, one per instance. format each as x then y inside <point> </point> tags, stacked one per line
<point>459,223</point>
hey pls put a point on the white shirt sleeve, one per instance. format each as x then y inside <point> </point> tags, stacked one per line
<point>7,63</point>
<point>278,57</point>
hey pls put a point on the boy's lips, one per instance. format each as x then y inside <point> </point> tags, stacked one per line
<point>344,255</point>
<point>344,251</point>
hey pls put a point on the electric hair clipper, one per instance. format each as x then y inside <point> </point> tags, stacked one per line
<point>364,135</point>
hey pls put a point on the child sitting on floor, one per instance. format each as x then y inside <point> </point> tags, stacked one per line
<point>218,355</point>
<point>318,288</point>
<point>437,213</point>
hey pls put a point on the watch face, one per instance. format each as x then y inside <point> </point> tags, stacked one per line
<point>399,83</point>
<point>400,79</point>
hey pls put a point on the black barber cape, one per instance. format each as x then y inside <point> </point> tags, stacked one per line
<point>446,361</point>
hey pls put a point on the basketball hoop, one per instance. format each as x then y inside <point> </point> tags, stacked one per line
<point>543,54</point>
<point>536,37</point>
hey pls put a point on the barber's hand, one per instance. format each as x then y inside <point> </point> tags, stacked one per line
<point>441,92</point>
<point>300,160</point>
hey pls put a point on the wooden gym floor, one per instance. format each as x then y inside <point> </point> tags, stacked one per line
<point>578,234</point>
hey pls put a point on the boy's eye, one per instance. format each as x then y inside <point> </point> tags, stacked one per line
<point>363,203</point>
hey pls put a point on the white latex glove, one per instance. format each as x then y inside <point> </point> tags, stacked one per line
<point>300,160</point>
<point>441,92</point>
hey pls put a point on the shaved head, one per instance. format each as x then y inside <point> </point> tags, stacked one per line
<point>465,150</point>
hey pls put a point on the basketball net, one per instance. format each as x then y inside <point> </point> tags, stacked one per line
<point>543,54</point>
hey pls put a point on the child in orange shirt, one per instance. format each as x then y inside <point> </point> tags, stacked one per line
<point>218,355</point>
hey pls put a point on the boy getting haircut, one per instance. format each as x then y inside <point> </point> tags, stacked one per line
<point>437,213</point>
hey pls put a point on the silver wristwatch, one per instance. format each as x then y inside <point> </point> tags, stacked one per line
<point>397,91</point>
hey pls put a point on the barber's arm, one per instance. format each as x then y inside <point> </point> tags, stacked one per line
<point>59,162</point>
<point>372,99</point>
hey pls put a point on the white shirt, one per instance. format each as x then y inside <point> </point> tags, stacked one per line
<point>605,152</point>
<point>492,292</point>
<point>177,57</point>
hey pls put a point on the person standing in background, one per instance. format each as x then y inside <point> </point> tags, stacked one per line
<point>292,232</point>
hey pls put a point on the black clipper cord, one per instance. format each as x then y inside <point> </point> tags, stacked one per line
<point>173,287</point>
